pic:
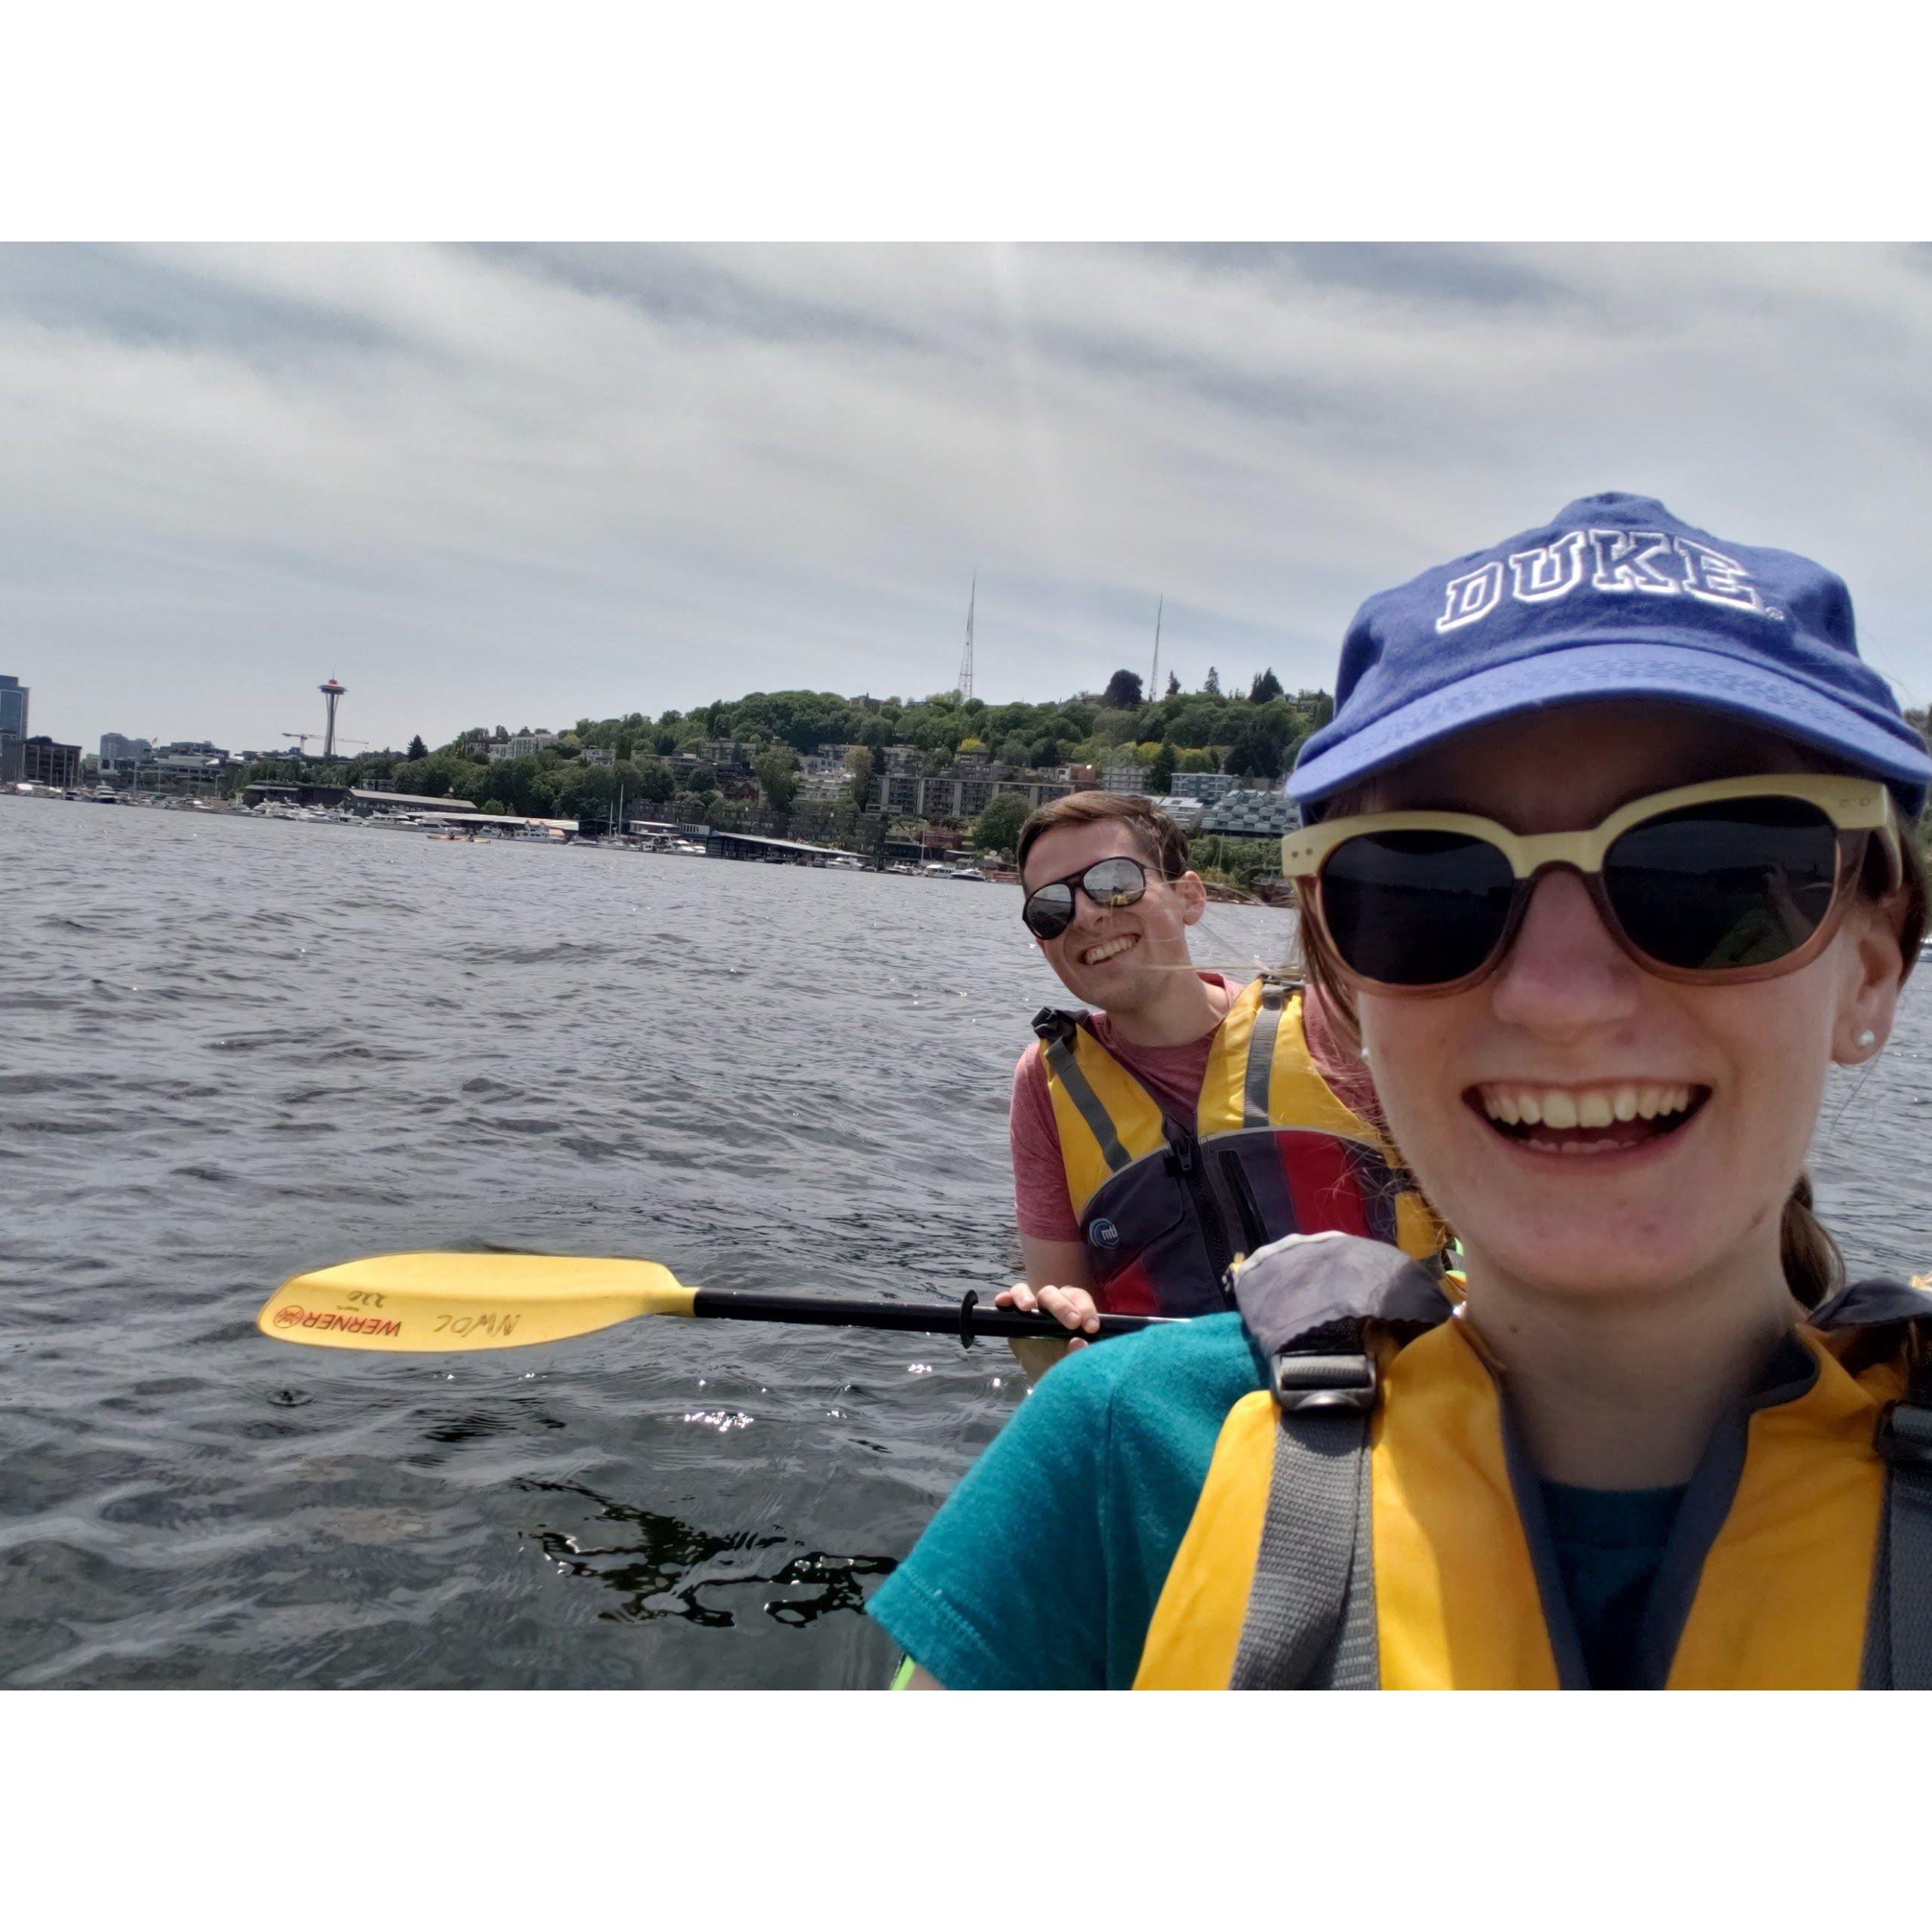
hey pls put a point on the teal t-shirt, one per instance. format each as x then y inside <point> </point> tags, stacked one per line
<point>1608,1544</point>
<point>1041,1570</point>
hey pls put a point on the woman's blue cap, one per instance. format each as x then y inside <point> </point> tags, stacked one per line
<point>1613,598</point>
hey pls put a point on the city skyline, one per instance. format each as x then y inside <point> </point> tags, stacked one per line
<point>523,485</point>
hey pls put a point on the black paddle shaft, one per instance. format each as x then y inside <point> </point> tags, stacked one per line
<point>971,1318</point>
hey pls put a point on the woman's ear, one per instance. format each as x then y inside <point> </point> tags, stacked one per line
<point>1873,973</point>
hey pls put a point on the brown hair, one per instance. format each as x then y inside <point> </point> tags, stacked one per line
<point>1814,1267</point>
<point>1160,839</point>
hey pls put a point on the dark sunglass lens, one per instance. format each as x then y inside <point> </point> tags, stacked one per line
<point>1049,911</point>
<point>1115,882</point>
<point>1714,887</point>
<point>1415,909</point>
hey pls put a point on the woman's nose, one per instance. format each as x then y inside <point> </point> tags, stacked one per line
<point>1565,970</point>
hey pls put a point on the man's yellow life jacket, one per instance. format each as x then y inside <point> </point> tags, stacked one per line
<point>1371,1520</point>
<point>1165,1205</point>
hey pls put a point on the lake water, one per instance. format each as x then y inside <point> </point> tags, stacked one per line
<point>231,1049</point>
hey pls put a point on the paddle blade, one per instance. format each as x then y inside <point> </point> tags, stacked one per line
<point>429,1303</point>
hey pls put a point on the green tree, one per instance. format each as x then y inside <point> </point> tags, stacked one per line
<point>1160,773</point>
<point>495,808</point>
<point>1174,685</point>
<point>859,761</point>
<point>1123,691</point>
<point>1211,687</point>
<point>1265,689</point>
<point>998,827</point>
<point>418,749</point>
<point>777,773</point>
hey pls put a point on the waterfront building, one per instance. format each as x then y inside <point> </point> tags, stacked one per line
<point>1209,786</point>
<point>825,785</point>
<point>525,744</point>
<point>13,709</point>
<point>360,798</point>
<point>122,754</point>
<point>41,762</point>
<point>597,755</point>
<point>1253,815</point>
<point>962,793</point>
<point>1185,813</point>
<point>1124,778</point>
<point>189,758</point>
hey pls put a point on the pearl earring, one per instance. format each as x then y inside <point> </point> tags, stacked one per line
<point>1867,1040</point>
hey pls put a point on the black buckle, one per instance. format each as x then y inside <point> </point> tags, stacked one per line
<point>1904,1435</point>
<point>1325,1382</point>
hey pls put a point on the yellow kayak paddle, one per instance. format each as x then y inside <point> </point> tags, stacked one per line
<point>435,1304</point>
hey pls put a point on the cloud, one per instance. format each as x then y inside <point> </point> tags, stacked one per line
<point>528,483</point>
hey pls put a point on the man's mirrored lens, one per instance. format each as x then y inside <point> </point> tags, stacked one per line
<point>1049,911</point>
<point>1115,882</point>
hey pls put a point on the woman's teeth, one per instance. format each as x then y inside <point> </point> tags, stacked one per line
<point>1566,1107</point>
<point>1094,955</point>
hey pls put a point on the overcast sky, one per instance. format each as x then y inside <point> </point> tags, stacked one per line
<point>521,486</point>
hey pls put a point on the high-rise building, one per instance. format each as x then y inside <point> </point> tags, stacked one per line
<point>13,708</point>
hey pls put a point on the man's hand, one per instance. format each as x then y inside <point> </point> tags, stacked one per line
<point>1072,1307</point>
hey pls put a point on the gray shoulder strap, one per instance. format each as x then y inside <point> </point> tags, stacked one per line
<point>1898,1634</point>
<point>1310,1624</point>
<point>1255,1112</point>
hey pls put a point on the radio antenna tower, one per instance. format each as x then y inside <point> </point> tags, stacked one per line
<point>966,662</point>
<point>1154,676</point>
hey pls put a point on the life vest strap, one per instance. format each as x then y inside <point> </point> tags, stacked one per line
<point>1055,1030</point>
<point>1310,1623</point>
<point>1898,1648</point>
<point>1255,1109</point>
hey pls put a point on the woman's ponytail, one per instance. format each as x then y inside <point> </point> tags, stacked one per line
<point>1813,1269</point>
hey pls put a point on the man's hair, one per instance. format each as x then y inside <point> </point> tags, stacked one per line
<point>1161,841</point>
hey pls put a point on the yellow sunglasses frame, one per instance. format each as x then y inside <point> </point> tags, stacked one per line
<point>1853,805</point>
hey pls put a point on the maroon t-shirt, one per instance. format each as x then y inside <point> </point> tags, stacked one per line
<point>1173,1074</point>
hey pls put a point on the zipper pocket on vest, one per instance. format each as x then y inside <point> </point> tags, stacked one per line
<point>1185,1150</point>
<point>1234,1177</point>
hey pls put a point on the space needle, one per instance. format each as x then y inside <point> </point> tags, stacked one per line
<point>332,693</point>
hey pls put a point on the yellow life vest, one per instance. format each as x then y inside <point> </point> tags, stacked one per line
<point>1771,1578</point>
<point>1165,1205</point>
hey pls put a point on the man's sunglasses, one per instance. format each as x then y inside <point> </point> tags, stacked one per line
<point>1048,911</point>
<point>1740,879</point>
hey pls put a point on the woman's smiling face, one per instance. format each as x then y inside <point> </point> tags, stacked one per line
<point>1704,1098</point>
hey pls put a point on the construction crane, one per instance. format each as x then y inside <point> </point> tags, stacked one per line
<point>301,739</point>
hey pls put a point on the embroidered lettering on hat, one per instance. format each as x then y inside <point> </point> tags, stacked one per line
<point>1625,560</point>
<point>1613,598</point>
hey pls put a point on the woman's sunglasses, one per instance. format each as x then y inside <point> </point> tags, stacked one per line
<point>1742,878</point>
<point>1048,911</point>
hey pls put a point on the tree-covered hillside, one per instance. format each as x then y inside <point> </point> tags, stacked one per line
<point>664,762</point>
